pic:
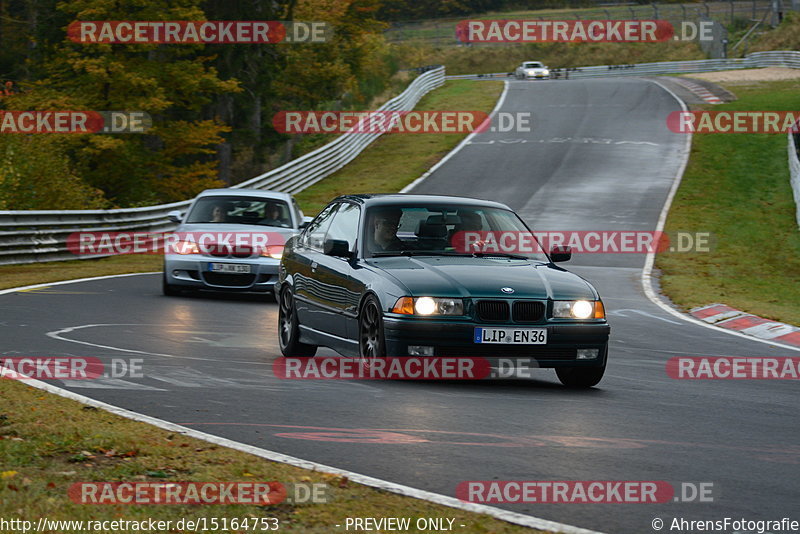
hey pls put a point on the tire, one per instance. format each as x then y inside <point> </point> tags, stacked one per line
<point>289,330</point>
<point>371,340</point>
<point>582,377</point>
<point>169,290</point>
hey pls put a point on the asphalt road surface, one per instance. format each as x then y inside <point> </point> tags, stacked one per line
<point>599,156</point>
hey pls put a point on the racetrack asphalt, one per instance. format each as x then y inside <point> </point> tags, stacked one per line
<point>599,157</point>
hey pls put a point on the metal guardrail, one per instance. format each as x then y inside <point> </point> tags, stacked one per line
<point>794,171</point>
<point>782,58</point>
<point>41,235</point>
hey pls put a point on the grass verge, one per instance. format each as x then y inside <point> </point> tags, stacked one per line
<point>387,165</point>
<point>736,186</point>
<point>49,443</point>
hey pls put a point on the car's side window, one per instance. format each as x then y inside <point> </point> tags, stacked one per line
<point>314,236</point>
<point>345,224</point>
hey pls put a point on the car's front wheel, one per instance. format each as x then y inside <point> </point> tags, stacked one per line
<point>581,377</point>
<point>371,341</point>
<point>289,330</point>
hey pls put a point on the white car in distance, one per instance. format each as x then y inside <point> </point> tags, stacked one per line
<point>533,70</point>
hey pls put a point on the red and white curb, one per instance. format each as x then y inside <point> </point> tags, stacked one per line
<point>700,91</point>
<point>747,323</point>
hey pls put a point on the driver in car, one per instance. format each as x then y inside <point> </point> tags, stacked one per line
<point>386,221</point>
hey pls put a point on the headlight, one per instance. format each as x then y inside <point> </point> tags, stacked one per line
<point>578,309</point>
<point>428,306</point>
<point>273,251</point>
<point>185,247</point>
<point>546,72</point>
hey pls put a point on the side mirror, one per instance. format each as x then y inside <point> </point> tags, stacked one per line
<point>338,248</point>
<point>305,221</point>
<point>174,216</point>
<point>559,254</point>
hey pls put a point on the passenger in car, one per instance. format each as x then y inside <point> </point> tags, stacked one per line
<point>273,216</point>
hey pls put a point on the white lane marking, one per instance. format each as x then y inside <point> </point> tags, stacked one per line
<point>107,383</point>
<point>37,286</point>
<point>451,502</point>
<point>461,145</point>
<point>647,271</point>
<point>57,334</point>
<point>191,378</point>
<point>640,312</point>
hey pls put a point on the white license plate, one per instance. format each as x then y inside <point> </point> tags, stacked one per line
<point>229,267</point>
<point>511,336</point>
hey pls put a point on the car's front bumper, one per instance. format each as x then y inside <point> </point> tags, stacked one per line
<point>192,271</point>
<point>456,339</point>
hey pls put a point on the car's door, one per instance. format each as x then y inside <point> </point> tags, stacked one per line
<point>344,289</point>
<point>307,254</point>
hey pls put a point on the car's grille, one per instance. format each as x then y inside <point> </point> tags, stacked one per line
<point>492,310</point>
<point>528,311</point>
<point>226,251</point>
<point>229,279</point>
<point>507,351</point>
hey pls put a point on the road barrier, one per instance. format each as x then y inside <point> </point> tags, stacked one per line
<point>780,58</point>
<point>794,171</point>
<point>41,235</point>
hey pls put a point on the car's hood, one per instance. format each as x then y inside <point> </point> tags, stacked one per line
<point>537,70</point>
<point>441,276</point>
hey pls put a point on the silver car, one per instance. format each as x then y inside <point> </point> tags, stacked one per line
<point>230,240</point>
<point>534,70</point>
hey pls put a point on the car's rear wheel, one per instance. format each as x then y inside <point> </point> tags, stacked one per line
<point>371,341</point>
<point>167,289</point>
<point>289,330</point>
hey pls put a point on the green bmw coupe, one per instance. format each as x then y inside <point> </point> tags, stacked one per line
<point>412,275</point>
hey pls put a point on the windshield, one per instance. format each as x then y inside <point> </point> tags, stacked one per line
<point>445,230</point>
<point>532,65</point>
<point>241,210</point>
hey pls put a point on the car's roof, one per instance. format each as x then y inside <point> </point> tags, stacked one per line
<point>394,199</point>
<point>237,192</point>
